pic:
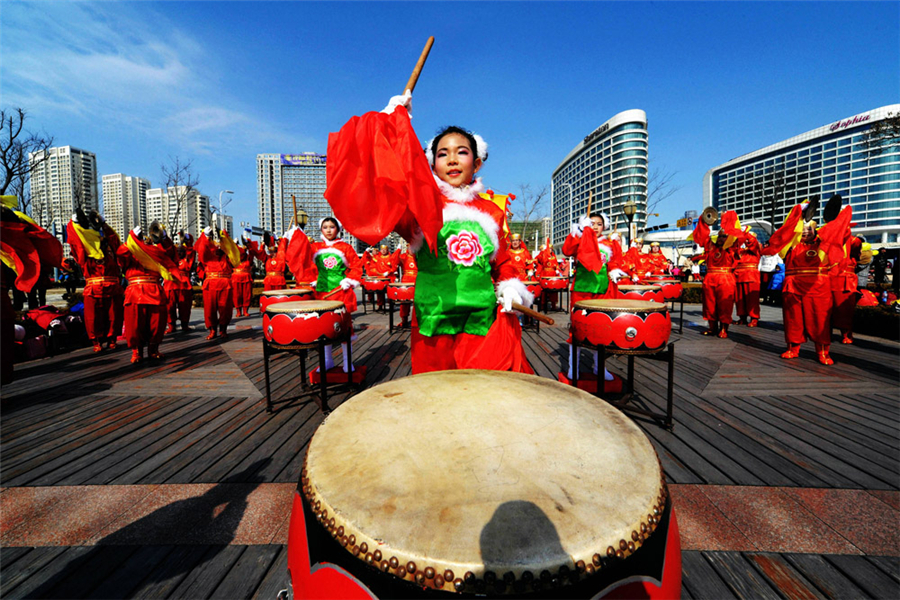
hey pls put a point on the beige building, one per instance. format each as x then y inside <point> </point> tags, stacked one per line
<point>178,209</point>
<point>65,180</point>
<point>125,202</point>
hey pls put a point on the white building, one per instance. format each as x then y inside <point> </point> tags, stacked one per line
<point>64,181</point>
<point>125,202</point>
<point>178,209</point>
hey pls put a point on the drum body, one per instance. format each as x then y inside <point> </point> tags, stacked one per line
<point>401,292</point>
<point>494,505</point>
<point>554,283</point>
<point>622,325</point>
<point>534,287</point>
<point>671,288</point>
<point>306,322</point>
<point>276,296</point>
<point>648,293</point>
<point>375,284</point>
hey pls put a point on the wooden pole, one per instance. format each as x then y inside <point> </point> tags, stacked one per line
<point>590,202</point>
<point>533,313</point>
<point>414,78</point>
<point>294,201</point>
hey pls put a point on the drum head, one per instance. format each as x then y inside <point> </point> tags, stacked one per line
<point>291,292</point>
<point>640,288</point>
<point>307,306</point>
<point>482,473</point>
<point>620,304</point>
<point>403,285</point>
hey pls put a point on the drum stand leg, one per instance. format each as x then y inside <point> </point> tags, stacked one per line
<point>391,316</point>
<point>266,369</point>
<point>323,383</point>
<point>573,362</point>
<point>303,383</point>
<point>681,316</point>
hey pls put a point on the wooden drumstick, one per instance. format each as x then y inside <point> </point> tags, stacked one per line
<point>533,313</point>
<point>332,293</point>
<point>590,202</point>
<point>411,84</point>
<point>294,200</point>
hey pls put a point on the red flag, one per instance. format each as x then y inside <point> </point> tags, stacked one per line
<point>29,246</point>
<point>379,179</point>
<point>589,251</point>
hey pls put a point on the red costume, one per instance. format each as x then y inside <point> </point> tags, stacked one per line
<point>382,265</point>
<point>807,299</point>
<point>180,293</point>
<point>656,262</point>
<point>746,276</point>
<point>719,283</point>
<point>521,260</point>
<point>218,301</point>
<point>103,294</point>
<point>546,264</point>
<point>635,261</point>
<point>275,265</point>
<point>242,278</point>
<point>409,270</point>
<point>590,284</point>
<point>845,287</point>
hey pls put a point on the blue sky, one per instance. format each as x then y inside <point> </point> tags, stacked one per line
<point>220,82</point>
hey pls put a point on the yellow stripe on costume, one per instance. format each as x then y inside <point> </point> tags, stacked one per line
<point>230,249</point>
<point>7,258</point>
<point>798,233</point>
<point>146,261</point>
<point>10,201</point>
<point>90,239</point>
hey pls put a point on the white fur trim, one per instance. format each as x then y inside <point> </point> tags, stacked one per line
<point>462,212</point>
<point>339,224</point>
<point>606,251</point>
<point>463,194</point>
<point>330,250</point>
<point>519,288</point>
<point>479,141</point>
<point>606,222</point>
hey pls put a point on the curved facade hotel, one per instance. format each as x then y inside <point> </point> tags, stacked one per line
<point>611,161</point>
<point>832,159</point>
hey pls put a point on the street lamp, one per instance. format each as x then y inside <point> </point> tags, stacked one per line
<point>629,208</point>
<point>221,214</point>
<point>568,210</point>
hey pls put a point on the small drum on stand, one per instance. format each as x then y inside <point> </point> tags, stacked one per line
<point>276,296</point>
<point>399,293</point>
<point>298,326</point>
<point>672,292</point>
<point>541,491</point>
<point>534,287</point>
<point>374,285</point>
<point>554,285</point>
<point>648,293</point>
<point>625,326</point>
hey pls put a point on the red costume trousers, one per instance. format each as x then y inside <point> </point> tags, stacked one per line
<point>718,297</point>
<point>145,325</point>
<point>103,317</point>
<point>180,302</point>
<point>274,282</point>
<point>844,306</point>
<point>807,316</point>
<point>217,308</point>
<point>746,299</point>
<point>242,293</point>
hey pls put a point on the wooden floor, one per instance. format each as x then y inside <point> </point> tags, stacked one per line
<point>743,417</point>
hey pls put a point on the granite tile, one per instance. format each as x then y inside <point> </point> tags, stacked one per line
<point>701,525</point>
<point>889,497</point>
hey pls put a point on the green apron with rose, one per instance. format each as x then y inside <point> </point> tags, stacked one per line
<point>454,289</point>
<point>588,282</point>
<point>331,269</point>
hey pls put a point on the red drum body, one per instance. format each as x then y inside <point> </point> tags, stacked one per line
<point>401,292</point>
<point>306,322</point>
<point>648,293</point>
<point>671,288</point>
<point>375,284</point>
<point>276,296</point>
<point>554,283</point>
<point>622,325</point>
<point>534,287</point>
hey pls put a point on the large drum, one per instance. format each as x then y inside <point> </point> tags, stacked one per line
<point>481,482</point>
<point>534,287</point>
<point>276,296</point>
<point>621,325</point>
<point>375,284</point>
<point>306,322</point>
<point>401,292</point>
<point>671,288</point>
<point>649,293</point>
<point>554,283</point>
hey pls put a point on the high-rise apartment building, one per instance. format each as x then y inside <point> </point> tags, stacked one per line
<point>178,209</point>
<point>280,176</point>
<point>65,180</point>
<point>125,202</point>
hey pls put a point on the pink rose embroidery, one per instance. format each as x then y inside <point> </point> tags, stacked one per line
<point>330,262</point>
<point>464,248</point>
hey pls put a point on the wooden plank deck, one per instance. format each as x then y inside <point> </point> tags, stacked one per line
<point>744,419</point>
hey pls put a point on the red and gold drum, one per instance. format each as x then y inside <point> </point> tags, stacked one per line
<point>671,288</point>
<point>534,287</point>
<point>542,492</point>
<point>276,296</point>
<point>656,277</point>
<point>554,283</point>
<point>622,325</point>
<point>375,284</point>
<point>401,292</point>
<point>649,293</point>
<point>306,322</point>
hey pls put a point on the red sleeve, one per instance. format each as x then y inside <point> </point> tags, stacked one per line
<point>501,267</point>
<point>784,234</point>
<point>354,264</point>
<point>75,244</point>
<point>299,256</point>
<point>617,259</point>
<point>205,252</point>
<point>701,233</point>
<point>570,246</point>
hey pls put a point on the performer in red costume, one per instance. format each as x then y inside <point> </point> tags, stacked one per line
<point>273,256</point>
<point>382,264</point>
<point>218,261</point>
<point>657,263</point>
<point>719,284</point>
<point>180,292</point>
<point>634,260</point>
<point>94,245</point>
<point>145,261</point>
<point>520,257</point>
<point>807,297</point>
<point>409,270</point>
<point>746,277</point>
<point>844,279</point>
<point>242,276</point>
<point>546,264</point>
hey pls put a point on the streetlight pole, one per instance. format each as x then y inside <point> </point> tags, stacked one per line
<point>221,214</point>
<point>629,208</point>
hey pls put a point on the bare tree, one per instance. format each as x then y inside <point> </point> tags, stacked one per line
<point>882,134</point>
<point>660,187</point>
<point>180,187</point>
<point>15,145</point>
<point>531,206</point>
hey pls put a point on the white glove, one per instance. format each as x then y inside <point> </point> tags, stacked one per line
<point>137,231</point>
<point>208,231</point>
<point>614,235</point>
<point>617,274</point>
<point>405,100</point>
<point>74,218</point>
<point>507,297</point>
<point>346,283</point>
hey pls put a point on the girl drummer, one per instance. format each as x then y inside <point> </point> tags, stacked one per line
<point>339,269</point>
